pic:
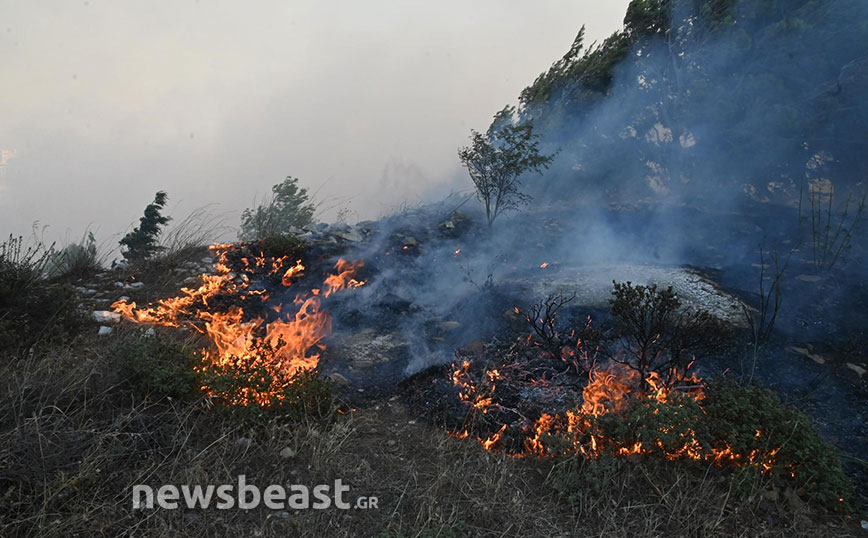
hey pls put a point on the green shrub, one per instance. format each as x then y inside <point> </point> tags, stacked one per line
<point>661,427</point>
<point>753,418</point>
<point>288,207</point>
<point>771,438</point>
<point>579,478</point>
<point>158,367</point>
<point>76,259</point>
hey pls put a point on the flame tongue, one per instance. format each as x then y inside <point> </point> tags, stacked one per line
<point>611,389</point>
<point>238,334</point>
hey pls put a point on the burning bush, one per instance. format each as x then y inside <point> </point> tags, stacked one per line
<point>644,403</point>
<point>258,344</point>
<point>752,420</point>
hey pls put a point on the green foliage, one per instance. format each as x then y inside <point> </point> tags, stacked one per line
<point>497,159</point>
<point>661,427</point>
<point>141,243</point>
<point>594,70</point>
<point>752,418</point>
<point>159,367</point>
<point>656,334</point>
<point>751,421</point>
<point>76,259</point>
<point>580,478</point>
<point>288,208</point>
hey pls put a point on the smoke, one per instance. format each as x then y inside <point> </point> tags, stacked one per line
<point>697,154</point>
<point>107,103</point>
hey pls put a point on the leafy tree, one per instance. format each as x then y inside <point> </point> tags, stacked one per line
<point>141,243</point>
<point>288,207</point>
<point>497,159</point>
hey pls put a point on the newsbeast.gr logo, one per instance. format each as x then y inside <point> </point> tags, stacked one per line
<point>246,496</point>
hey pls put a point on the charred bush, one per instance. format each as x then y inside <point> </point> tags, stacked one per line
<point>762,320</point>
<point>557,339</point>
<point>542,318</point>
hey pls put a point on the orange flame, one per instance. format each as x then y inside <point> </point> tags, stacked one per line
<point>283,347</point>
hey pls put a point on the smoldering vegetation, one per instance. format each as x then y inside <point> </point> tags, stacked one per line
<point>710,147</point>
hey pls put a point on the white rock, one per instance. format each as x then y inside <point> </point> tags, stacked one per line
<point>287,453</point>
<point>136,285</point>
<point>856,368</point>
<point>150,333</point>
<point>350,235</point>
<point>105,316</point>
<point>119,284</point>
<point>104,331</point>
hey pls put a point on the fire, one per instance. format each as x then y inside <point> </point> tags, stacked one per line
<point>343,279</point>
<point>296,269</point>
<point>281,348</point>
<point>610,389</point>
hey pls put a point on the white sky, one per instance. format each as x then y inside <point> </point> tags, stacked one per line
<point>105,102</point>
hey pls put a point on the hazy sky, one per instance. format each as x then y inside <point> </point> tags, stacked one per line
<point>106,102</point>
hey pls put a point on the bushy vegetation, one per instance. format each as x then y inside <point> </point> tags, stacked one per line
<point>753,418</point>
<point>288,208</point>
<point>278,246</point>
<point>158,366</point>
<point>142,242</point>
<point>32,307</point>
<point>779,448</point>
<point>251,392</point>
<point>76,259</point>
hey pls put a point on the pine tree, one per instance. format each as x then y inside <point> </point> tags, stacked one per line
<point>141,243</point>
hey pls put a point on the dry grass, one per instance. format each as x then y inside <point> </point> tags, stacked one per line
<point>74,439</point>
